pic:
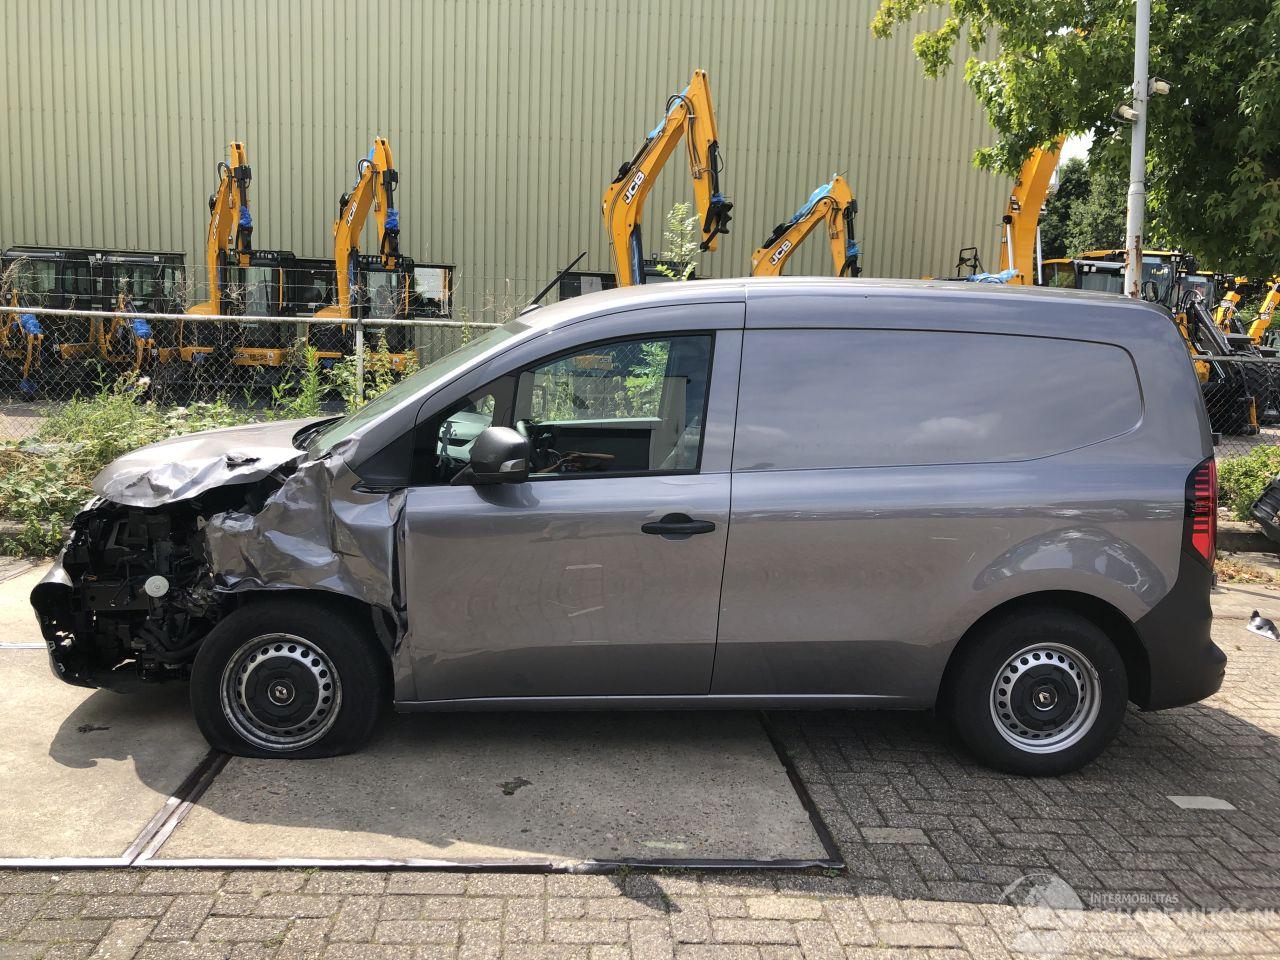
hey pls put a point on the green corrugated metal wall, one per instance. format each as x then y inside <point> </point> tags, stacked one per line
<point>507,119</point>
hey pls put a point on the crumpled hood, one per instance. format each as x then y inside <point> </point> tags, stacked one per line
<point>184,467</point>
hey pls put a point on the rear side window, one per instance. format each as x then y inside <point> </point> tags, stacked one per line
<point>814,399</point>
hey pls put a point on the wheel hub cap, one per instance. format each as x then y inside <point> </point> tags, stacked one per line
<point>1045,698</point>
<point>280,692</point>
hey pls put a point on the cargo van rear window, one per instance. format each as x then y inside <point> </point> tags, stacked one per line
<point>815,399</point>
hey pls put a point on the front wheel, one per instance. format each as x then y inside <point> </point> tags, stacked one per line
<point>281,678</point>
<point>1039,692</point>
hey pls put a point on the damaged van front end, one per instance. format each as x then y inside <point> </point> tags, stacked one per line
<point>182,531</point>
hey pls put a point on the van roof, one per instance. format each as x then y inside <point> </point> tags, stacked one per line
<point>763,288</point>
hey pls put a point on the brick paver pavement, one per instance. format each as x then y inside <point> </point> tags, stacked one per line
<point>946,860</point>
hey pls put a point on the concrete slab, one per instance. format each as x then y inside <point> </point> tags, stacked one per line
<point>1201,803</point>
<point>482,788</point>
<point>83,771</point>
<point>17,621</point>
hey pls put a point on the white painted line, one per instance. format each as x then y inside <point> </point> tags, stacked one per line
<point>1201,803</point>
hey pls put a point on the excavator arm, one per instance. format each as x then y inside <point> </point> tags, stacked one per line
<point>1022,213</point>
<point>690,115</point>
<point>1266,312</point>
<point>1225,312</point>
<point>832,203</point>
<point>230,238</point>
<point>374,189</point>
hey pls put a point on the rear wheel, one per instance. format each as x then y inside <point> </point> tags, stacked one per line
<point>1038,692</point>
<point>282,678</point>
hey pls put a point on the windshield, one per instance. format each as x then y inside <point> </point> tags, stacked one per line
<point>1204,285</point>
<point>384,294</point>
<point>438,370</point>
<point>1157,270</point>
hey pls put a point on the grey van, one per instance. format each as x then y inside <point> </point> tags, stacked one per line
<point>782,493</point>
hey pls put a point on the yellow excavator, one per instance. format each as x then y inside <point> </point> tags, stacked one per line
<point>228,245</point>
<point>1266,312</point>
<point>832,203</point>
<point>21,340</point>
<point>1019,240</point>
<point>1225,315</point>
<point>369,286</point>
<point>690,113</point>
<point>1022,214</point>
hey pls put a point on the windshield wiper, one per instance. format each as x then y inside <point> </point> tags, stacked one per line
<point>303,436</point>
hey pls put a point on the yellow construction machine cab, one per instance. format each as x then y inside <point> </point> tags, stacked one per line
<point>832,203</point>
<point>1160,267</point>
<point>53,277</point>
<point>263,344</point>
<point>139,283</point>
<point>689,114</point>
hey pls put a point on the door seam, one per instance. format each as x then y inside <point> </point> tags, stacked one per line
<point>728,524</point>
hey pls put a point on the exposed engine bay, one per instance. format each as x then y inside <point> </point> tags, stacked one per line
<point>185,530</point>
<point>136,594</point>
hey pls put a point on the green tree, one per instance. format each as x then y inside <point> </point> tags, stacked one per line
<point>680,243</point>
<point>1073,186</point>
<point>1097,221</point>
<point>1044,69</point>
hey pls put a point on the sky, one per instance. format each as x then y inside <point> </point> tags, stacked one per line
<point>1075,147</point>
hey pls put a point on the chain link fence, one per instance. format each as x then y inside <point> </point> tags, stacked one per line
<point>1242,398</point>
<point>254,363</point>
<point>75,323</point>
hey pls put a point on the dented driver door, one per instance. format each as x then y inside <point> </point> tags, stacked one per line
<point>600,575</point>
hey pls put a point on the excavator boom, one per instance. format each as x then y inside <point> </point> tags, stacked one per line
<point>374,189</point>
<point>230,238</point>
<point>690,115</point>
<point>1266,312</point>
<point>1022,213</point>
<point>832,203</point>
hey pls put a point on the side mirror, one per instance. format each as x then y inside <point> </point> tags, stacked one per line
<point>1150,291</point>
<point>498,455</point>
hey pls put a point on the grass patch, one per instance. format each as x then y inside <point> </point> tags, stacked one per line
<point>46,479</point>
<point>1241,480</point>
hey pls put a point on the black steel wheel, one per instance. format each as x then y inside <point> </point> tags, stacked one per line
<point>1039,692</point>
<point>282,678</point>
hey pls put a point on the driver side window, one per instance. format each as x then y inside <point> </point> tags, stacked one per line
<point>627,407</point>
<point>442,446</point>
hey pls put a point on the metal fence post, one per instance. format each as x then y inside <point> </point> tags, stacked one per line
<point>359,360</point>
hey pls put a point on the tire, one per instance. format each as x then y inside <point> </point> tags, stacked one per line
<point>1061,698</point>
<point>287,678</point>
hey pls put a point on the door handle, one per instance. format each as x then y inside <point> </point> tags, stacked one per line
<point>677,526</point>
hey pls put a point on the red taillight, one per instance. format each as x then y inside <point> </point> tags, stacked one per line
<point>1200,528</point>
